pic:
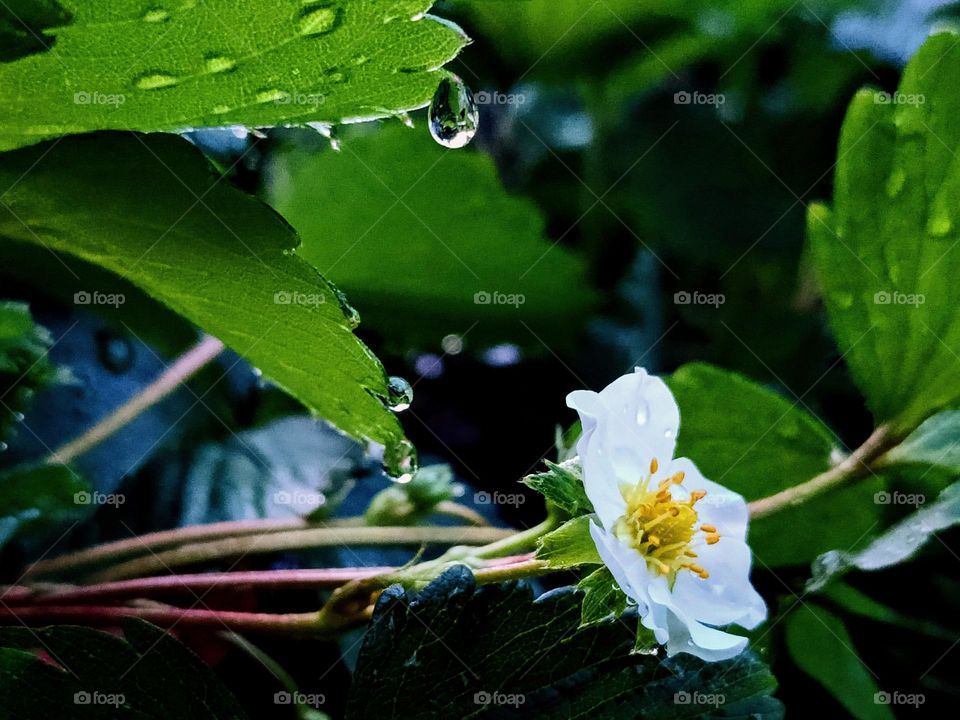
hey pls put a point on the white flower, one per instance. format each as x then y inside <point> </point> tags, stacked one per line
<point>674,541</point>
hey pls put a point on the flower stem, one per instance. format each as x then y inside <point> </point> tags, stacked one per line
<point>855,465</point>
<point>185,367</point>
<point>164,616</point>
<point>298,540</point>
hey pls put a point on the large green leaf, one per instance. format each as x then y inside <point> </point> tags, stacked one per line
<point>886,253</point>
<point>935,443</point>
<point>413,232</point>
<point>126,64</point>
<point>148,208</point>
<point>24,365</point>
<point>820,645</point>
<point>455,650</point>
<point>757,443</point>
<point>146,674</point>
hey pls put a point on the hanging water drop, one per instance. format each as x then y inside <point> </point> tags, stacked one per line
<point>453,116</point>
<point>405,119</point>
<point>399,393</point>
<point>400,461</point>
<point>329,132</point>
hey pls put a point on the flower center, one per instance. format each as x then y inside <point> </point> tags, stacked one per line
<point>663,530</point>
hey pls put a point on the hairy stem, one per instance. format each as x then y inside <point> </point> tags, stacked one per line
<point>164,616</point>
<point>184,368</point>
<point>298,540</point>
<point>856,464</point>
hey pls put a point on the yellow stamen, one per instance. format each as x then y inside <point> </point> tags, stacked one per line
<point>653,466</point>
<point>713,539</point>
<point>708,528</point>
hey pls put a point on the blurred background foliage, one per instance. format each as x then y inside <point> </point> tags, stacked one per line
<point>597,194</point>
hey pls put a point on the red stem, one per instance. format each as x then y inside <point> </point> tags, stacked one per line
<point>165,617</point>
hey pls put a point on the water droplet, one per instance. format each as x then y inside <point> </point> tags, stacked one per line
<point>18,417</point>
<point>155,15</point>
<point>405,119</point>
<point>114,351</point>
<point>154,80</point>
<point>668,433</point>
<point>318,19</point>
<point>939,224</point>
<point>270,95</point>
<point>399,393</point>
<point>349,311</point>
<point>429,366</point>
<point>453,116</point>
<point>3,446</point>
<point>643,413</point>
<point>895,182</point>
<point>329,132</point>
<point>220,109</point>
<point>360,60</point>
<point>400,461</point>
<point>788,429</point>
<point>219,63</point>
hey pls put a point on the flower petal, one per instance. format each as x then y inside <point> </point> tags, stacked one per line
<point>722,507</point>
<point>727,595</point>
<point>685,634</point>
<point>627,425</point>
<point>625,564</point>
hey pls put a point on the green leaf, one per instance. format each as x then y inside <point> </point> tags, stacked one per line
<point>820,645</point>
<point>427,242</point>
<point>26,25</point>
<point>853,601</point>
<point>148,208</point>
<point>603,599</point>
<point>495,650</point>
<point>562,485</point>
<point>886,253</point>
<point>412,502</point>
<point>897,544</point>
<point>569,545</point>
<point>757,443</point>
<point>148,673</point>
<point>24,365</point>
<point>936,442</point>
<point>36,497</point>
<point>123,64</point>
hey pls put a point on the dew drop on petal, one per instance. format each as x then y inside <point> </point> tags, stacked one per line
<point>453,116</point>
<point>399,393</point>
<point>643,413</point>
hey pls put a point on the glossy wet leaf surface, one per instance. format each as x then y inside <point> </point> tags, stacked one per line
<point>209,252</point>
<point>175,64</point>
